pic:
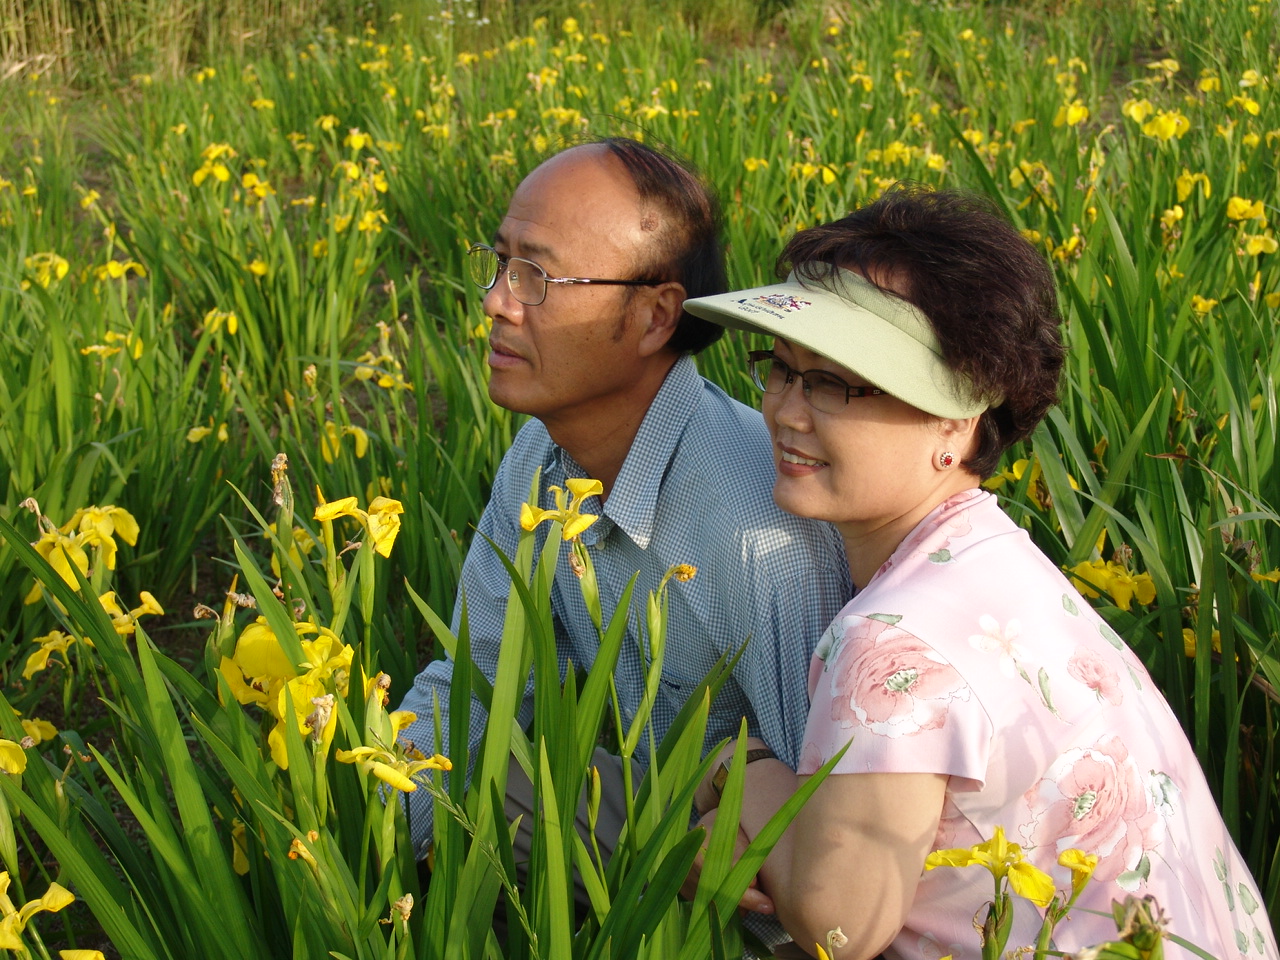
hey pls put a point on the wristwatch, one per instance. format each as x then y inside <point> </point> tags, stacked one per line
<point>722,772</point>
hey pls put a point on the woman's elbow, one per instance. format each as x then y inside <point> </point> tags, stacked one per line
<point>814,911</point>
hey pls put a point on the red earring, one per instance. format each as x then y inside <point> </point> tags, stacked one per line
<point>946,459</point>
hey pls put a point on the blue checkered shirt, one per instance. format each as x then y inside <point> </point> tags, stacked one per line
<point>696,487</point>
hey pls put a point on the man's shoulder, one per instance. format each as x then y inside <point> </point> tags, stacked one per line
<point>725,460</point>
<point>720,422</point>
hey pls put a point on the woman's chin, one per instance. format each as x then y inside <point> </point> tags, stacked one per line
<point>794,502</point>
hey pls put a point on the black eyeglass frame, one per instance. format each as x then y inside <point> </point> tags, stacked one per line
<point>756,357</point>
<point>503,263</point>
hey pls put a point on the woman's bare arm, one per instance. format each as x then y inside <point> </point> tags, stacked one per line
<point>853,856</point>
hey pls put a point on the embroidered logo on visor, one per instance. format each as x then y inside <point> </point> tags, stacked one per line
<point>781,301</point>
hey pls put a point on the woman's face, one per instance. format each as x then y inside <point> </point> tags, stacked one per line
<point>872,468</point>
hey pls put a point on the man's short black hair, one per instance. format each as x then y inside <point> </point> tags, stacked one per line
<point>687,248</point>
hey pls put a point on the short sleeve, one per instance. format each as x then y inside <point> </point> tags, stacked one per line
<point>900,705</point>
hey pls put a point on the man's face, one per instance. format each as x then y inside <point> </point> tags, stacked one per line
<point>574,356</point>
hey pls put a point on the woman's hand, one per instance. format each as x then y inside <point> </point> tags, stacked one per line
<point>753,899</point>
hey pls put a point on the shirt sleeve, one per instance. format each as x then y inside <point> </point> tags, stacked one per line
<point>484,587</point>
<point>900,705</point>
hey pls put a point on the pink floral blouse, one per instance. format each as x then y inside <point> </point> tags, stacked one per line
<point>969,654</point>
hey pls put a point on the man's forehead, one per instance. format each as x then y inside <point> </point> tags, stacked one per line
<point>583,195</point>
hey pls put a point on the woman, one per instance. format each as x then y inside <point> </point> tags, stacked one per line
<point>915,340</point>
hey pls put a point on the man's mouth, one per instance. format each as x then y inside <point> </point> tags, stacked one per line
<point>502,350</point>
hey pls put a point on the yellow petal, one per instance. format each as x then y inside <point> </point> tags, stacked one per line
<point>279,752</point>
<point>259,654</point>
<point>530,516</point>
<point>13,759</point>
<point>362,440</point>
<point>385,506</point>
<point>581,488</point>
<point>356,754</point>
<point>578,524</point>
<point>393,777</point>
<point>954,857</point>
<point>1032,883</point>
<point>54,899</point>
<point>383,528</point>
<point>149,605</point>
<point>345,507</point>
<point>400,719</point>
<point>242,691</point>
<point>125,525</point>
<point>110,604</point>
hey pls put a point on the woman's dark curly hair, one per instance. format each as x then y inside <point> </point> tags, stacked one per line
<point>988,293</point>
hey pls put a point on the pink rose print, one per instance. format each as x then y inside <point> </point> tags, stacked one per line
<point>1096,799</point>
<point>1002,641</point>
<point>889,682</point>
<point>811,757</point>
<point>1091,669</point>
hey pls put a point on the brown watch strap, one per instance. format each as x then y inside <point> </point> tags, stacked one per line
<point>722,772</point>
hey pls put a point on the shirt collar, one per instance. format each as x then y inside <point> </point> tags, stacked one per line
<point>633,501</point>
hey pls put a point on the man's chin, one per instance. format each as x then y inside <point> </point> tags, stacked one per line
<point>505,395</point>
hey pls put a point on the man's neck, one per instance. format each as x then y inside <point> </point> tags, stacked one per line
<point>600,437</point>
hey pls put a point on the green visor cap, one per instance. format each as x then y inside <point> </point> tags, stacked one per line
<point>849,320</point>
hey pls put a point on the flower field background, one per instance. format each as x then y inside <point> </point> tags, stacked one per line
<point>206,263</point>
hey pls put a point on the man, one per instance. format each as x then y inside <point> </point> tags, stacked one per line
<point>586,282</point>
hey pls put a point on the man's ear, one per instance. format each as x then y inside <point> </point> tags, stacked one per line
<point>659,315</point>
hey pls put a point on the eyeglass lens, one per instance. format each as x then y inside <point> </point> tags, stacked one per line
<point>825,391</point>
<point>527,280</point>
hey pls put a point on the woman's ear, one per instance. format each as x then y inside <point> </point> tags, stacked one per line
<point>659,315</point>
<point>957,437</point>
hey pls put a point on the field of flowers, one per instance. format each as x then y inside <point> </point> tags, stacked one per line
<point>264,256</point>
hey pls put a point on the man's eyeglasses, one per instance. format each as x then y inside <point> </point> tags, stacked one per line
<point>527,280</point>
<point>824,391</point>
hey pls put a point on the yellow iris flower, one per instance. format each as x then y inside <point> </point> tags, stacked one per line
<point>1094,576</point>
<point>1202,305</point>
<point>1003,859</point>
<point>381,520</point>
<point>48,268</point>
<point>574,521</point>
<point>100,526</point>
<point>53,642</point>
<point>15,920</point>
<point>38,730</point>
<point>1081,865</point>
<point>396,772</point>
<point>1166,125</point>
<point>1238,208</point>
<point>60,552</point>
<point>126,623</point>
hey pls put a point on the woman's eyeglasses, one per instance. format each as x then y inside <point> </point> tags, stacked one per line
<point>825,391</point>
